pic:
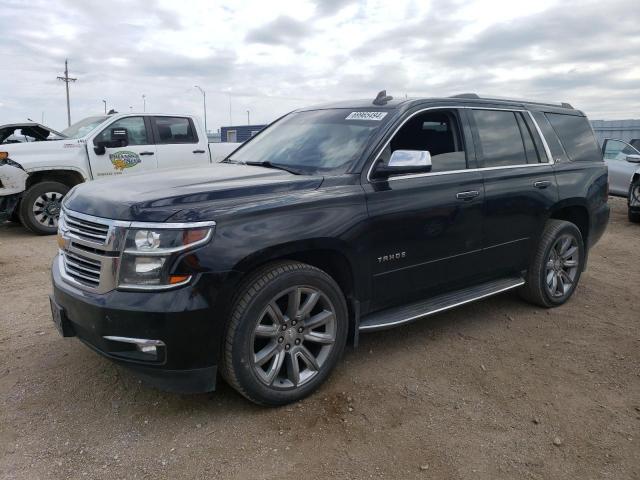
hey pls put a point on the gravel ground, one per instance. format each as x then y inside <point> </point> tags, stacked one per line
<point>495,389</point>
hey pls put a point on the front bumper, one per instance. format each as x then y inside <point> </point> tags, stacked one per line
<point>182,320</point>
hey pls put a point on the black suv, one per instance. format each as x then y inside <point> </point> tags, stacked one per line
<point>334,220</point>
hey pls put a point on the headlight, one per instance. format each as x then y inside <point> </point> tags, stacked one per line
<point>149,252</point>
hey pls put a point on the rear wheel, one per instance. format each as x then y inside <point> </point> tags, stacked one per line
<point>288,329</point>
<point>40,207</point>
<point>555,269</point>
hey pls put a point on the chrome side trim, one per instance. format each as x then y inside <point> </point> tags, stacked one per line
<point>451,172</point>
<point>441,309</point>
<point>145,342</point>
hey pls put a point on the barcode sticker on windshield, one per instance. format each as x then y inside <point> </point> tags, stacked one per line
<point>375,116</point>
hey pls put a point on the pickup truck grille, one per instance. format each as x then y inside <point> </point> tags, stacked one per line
<point>86,230</point>
<point>84,270</point>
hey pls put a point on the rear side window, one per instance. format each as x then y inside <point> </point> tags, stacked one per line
<point>500,142</point>
<point>174,130</point>
<point>576,136</point>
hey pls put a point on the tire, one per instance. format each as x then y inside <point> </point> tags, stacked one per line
<point>256,329</point>
<point>634,196</point>
<point>546,284</point>
<point>40,207</point>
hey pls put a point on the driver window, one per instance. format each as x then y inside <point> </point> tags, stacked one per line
<point>439,133</point>
<point>618,150</point>
<point>135,127</point>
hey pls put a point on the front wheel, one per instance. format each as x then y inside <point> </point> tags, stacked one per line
<point>40,207</point>
<point>555,269</point>
<point>288,329</point>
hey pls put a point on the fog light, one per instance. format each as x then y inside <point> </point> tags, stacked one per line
<point>148,349</point>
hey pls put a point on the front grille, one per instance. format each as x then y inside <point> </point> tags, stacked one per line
<point>84,270</point>
<point>84,229</point>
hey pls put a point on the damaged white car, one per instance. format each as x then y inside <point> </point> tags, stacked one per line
<point>38,165</point>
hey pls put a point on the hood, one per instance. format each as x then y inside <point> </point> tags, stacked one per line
<point>39,154</point>
<point>154,197</point>
<point>31,129</point>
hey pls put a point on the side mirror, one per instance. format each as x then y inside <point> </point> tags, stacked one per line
<point>403,162</point>
<point>100,148</point>
<point>633,158</point>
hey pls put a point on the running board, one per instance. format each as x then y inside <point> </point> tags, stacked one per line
<point>393,317</point>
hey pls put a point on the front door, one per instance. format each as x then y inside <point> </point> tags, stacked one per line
<point>621,170</point>
<point>520,187</point>
<point>139,155</point>
<point>178,143</point>
<point>425,230</point>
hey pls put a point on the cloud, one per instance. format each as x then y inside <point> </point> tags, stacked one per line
<point>283,30</point>
<point>270,58</point>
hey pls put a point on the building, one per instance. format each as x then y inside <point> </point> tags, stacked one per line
<point>239,133</point>
<point>625,130</point>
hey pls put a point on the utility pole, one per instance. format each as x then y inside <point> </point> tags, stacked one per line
<point>105,106</point>
<point>230,120</point>
<point>248,120</point>
<point>204,105</point>
<point>144,102</point>
<point>66,79</point>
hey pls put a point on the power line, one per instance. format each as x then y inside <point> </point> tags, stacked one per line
<point>66,79</point>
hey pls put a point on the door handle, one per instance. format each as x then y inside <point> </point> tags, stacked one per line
<point>467,195</point>
<point>542,183</point>
<point>146,153</point>
<point>198,151</point>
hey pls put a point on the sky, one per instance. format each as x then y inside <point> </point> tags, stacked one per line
<point>270,57</point>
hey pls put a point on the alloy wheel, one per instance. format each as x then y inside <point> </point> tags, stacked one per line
<point>46,208</point>
<point>293,337</point>
<point>562,266</point>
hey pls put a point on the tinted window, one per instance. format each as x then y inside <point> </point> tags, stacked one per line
<point>500,141</point>
<point>175,130</point>
<point>527,138</point>
<point>135,127</point>
<point>576,136</point>
<point>435,132</point>
<point>555,147</point>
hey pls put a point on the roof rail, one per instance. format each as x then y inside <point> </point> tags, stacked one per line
<point>478,97</point>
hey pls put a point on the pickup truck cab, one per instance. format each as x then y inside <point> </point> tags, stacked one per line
<point>333,221</point>
<point>35,176</point>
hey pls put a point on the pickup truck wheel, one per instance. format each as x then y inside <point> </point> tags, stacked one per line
<point>288,329</point>
<point>557,264</point>
<point>40,207</point>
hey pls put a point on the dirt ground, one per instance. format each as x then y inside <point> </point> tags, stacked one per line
<point>495,389</point>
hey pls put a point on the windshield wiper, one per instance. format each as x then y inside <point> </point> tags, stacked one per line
<point>277,166</point>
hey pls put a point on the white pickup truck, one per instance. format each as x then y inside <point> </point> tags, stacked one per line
<point>35,175</point>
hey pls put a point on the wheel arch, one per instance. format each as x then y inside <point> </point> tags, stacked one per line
<point>575,212</point>
<point>329,255</point>
<point>69,177</point>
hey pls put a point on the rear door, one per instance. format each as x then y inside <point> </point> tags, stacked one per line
<point>519,185</point>
<point>138,156</point>
<point>178,143</point>
<point>620,170</point>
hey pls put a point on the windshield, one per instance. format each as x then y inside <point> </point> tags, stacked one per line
<point>83,127</point>
<point>319,141</point>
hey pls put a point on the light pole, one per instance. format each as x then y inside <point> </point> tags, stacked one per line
<point>144,102</point>
<point>105,106</point>
<point>248,118</point>
<point>204,105</point>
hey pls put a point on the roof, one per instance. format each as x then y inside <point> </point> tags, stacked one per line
<point>466,98</point>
